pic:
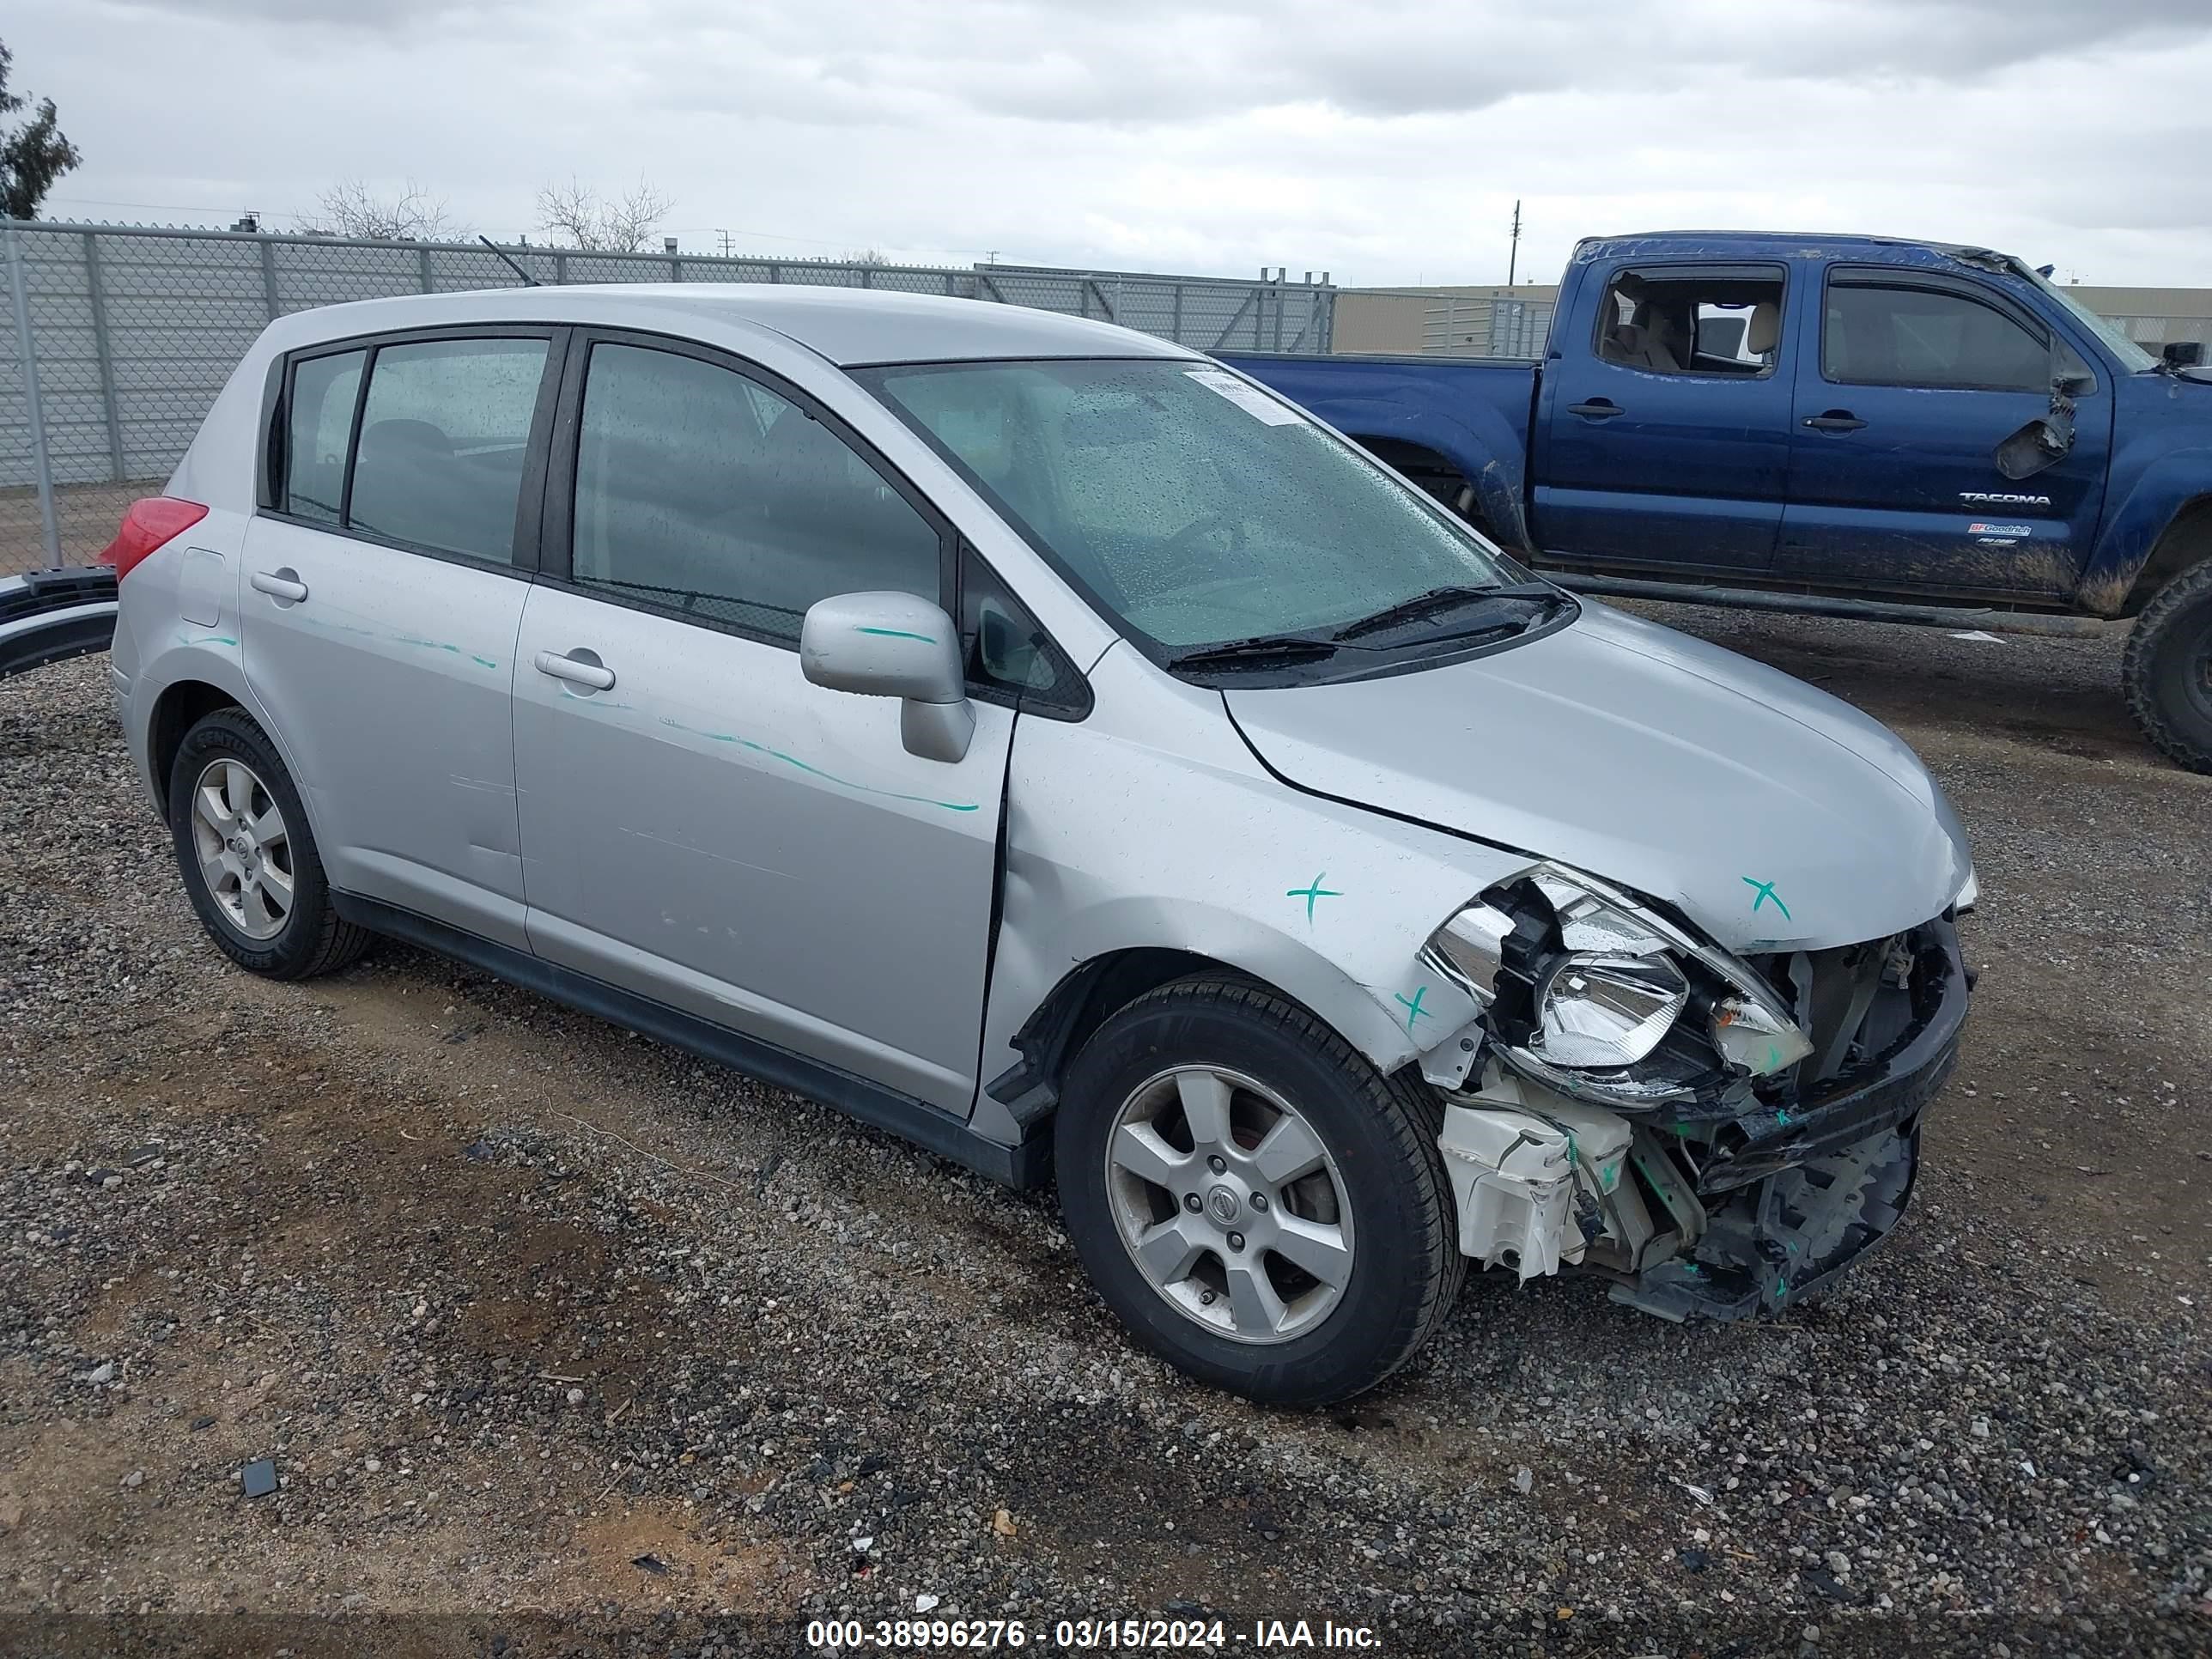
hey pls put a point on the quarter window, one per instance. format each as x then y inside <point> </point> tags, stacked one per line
<point>444,435</point>
<point>1922,336</point>
<point>319,426</point>
<point>701,489</point>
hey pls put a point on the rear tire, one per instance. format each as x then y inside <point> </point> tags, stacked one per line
<point>1215,1292</point>
<point>248,856</point>
<point>2166,672</point>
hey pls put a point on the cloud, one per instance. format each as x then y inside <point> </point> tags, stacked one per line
<point>1386,141</point>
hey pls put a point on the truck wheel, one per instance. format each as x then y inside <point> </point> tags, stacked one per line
<point>1262,1207</point>
<point>248,856</point>
<point>2168,670</point>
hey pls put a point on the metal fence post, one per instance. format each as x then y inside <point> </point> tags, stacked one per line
<point>26,351</point>
<point>104,358</point>
<point>423,266</point>
<point>269,276</point>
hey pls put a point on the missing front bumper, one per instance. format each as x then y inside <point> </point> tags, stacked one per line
<point>1724,1218</point>
<point>1788,1236</point>
<point>1794,1200</point>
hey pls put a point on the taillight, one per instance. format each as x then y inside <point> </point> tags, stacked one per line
<point>146,526</point>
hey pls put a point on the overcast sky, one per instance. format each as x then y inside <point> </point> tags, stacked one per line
<point>1384,142</point>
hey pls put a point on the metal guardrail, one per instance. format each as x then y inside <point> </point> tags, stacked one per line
<point>121,335</point>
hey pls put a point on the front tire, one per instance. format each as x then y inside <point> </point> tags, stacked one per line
<point>2168,670</point>
<point>248,856</point>
<point>1262,1208</point>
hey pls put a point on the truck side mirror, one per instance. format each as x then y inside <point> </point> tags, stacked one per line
<point>2182,354</point>
<point>2044,441</point>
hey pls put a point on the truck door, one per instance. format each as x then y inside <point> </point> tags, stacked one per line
<point>1664,433</point>
<point>1907,382</point>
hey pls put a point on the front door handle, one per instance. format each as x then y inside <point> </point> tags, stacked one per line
<point>576,669</point>
<point>1597,409</point>
<point>1836,420</point>
<point>283,583</point>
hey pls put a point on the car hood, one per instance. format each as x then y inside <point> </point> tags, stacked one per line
<point>1771,814</point>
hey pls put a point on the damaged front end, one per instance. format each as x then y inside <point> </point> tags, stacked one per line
<point>1719,1135</point>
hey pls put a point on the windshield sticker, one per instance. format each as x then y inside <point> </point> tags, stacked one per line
<point>1766,892</point>
<point>1315,891</point>
<point>1250,399</point>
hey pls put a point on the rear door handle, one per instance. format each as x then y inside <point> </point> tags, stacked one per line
<point>576,670</point>
<point>283,583</point>
<point>1836,420</point>
<point>1597,409</point>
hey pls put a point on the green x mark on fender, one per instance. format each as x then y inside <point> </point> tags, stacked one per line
<point>1315,891</point>
<point>1765,891</point>
<point>1414,1009</point>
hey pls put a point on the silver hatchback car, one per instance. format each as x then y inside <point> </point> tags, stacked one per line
<point>1042,742</point>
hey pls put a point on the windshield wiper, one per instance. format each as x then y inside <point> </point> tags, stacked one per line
<point>1440,599</point>
<point>1265,651</point>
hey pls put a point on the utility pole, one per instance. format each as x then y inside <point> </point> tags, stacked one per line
<point>725,238</point>
<point>1513,259</point>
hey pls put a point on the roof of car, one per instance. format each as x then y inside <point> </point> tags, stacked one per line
<point>851,327</point>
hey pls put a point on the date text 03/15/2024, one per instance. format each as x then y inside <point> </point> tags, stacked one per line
<point>1090,1635</point>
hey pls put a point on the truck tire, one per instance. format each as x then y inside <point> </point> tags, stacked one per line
<point>248,857</point>
<point>1264,1209</point>
<point>2166,672</point>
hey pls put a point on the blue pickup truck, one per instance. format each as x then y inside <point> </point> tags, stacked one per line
<point>1843,425</point>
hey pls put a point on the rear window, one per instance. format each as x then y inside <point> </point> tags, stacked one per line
<point>432,457</point>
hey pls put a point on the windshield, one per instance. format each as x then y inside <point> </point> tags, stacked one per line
<point>1194,507</point>
<point>2132,357</point>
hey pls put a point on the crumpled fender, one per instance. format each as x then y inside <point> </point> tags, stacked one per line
<point>1207,853</point>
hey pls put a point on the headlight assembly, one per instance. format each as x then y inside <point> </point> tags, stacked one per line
<point>1606,1011</point>
<point>1594,995</point>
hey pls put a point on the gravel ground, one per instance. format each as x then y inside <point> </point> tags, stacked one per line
<point>548,1326</point>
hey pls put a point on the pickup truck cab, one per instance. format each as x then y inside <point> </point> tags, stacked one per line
<point>1910,431</point>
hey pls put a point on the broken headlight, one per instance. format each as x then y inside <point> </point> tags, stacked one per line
<point>1606,1011</point>
<point>1592,993</point>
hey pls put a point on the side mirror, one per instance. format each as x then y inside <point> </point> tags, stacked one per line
<point>2182,354</point>
<point>894,644</point>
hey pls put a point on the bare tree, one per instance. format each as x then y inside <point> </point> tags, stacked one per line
<point>581,217</point>
<point>868,256</point>
<point>354,207</point>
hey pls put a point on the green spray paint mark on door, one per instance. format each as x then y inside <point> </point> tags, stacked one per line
<point>1765,891</point>
<point>1414,1009</point>
<point>1315,891</point>
<point>897,633</point>
<point>831,777</point>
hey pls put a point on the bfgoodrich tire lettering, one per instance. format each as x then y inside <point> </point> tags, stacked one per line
<point>227,754</point>
<point>2168,670</point>
<point>1379,1135</point>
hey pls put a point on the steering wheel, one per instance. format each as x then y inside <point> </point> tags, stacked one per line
<point>1185,537</point>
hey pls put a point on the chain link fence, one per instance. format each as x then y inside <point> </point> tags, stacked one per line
<point>119,337</point>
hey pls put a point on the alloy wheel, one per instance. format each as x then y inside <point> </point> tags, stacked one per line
<point>245,850</point>
<point>1230,1204</point>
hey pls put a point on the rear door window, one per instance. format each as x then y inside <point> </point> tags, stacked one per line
<point>445,437</point>
<point>319,430</point>
<point>1721,320</point>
